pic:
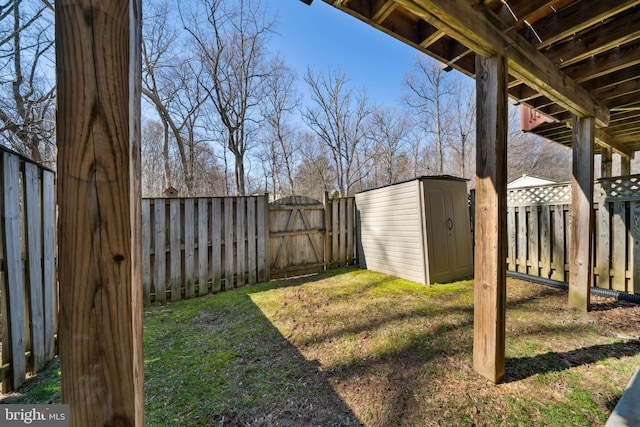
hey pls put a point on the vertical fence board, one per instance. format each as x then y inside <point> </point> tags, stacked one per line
<point>146,251</point>
<point>602,245</point>
<point>511,238</point>
<point>327,230</point>
<point>228,243</point>
<point>545,241</point>
<point>618,246</point>
<point>521,218</point>
<point>241,239</point>
<point>189,248</point>
<point>34,262</point>
<point>203,247</point>
<point>175,253</point>
<point>568,219</point>
<point>160,252</point>
<point>534,245</point>
<point>262,219</point>
<point>5,356</point>
<point>350,231</point>
<point>252,264</point>
<point>216,244</point>
<point>335,234</point>
<point>558,244</point>
<point>342,203</point>
<point>634,243</point>
<point>15,288</point>
<point>48,262</point>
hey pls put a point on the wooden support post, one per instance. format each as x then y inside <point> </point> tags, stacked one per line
<point>98,134</point>
<point>625,166</point>
<point>491,215</point>
<point>606,162</point>
<point>580,274</point>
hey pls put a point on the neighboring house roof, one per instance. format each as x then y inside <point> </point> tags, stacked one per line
<point>528,181</point>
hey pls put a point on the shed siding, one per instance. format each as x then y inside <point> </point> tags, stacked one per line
<point>390,238</point>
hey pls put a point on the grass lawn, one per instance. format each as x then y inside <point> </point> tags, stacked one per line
<point>353,347</point>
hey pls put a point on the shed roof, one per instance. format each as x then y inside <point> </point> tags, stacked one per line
<point>565,56</point>
<point>418,178</point>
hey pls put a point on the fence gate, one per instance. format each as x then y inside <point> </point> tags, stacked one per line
<point>297,236</point>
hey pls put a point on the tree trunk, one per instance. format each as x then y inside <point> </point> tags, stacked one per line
<point>239,167</point>
<point>165,154</point>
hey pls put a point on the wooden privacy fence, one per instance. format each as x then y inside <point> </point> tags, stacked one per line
<point>27,268</point>
<point>307,236</point>
<point>194,246</point>
<point>538,224</point>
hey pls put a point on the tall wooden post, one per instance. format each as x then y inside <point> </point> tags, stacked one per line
<point>580,274</point>
<point>606,163</point>
<point>625,166</point>
<point>98,135</point>
<point>491,215</point>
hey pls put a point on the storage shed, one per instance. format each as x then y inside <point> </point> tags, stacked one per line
<point>418,230</point>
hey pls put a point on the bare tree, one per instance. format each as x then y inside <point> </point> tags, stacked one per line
<point>461,139</point>
<point>28,90</point>
<point>315,173</point>
<point>171,85</point>
<point>153,182</point>
<point>389,131</point>
<point>340,118</point>
<point>231,44</point>
<point>281,101</point>
<point>430,92</point>
<point>532,155</point>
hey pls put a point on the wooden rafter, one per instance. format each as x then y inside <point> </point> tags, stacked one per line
<point>475,28</point>
<point>383,11</point>
<point>577,17</point>
<point>596,40</point>
<point>516,12</point>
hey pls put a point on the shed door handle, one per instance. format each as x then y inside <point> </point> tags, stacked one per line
<point>449,223</point>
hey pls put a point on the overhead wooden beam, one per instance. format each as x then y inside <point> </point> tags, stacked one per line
<point>491,214</point>
<point>478,29</point>
<point>98,71</point>
<point>580,272</point>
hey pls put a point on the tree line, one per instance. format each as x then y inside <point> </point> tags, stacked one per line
<point>224,115</point>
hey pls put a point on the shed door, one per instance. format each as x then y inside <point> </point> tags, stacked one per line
<point>448,232</point>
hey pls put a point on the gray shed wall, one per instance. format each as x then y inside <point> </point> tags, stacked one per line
<point>390,232</point>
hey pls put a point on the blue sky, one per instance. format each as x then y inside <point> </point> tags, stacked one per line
<point>321,36</point>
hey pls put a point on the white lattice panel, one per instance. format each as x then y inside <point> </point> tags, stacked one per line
<point>556,194</point>
<point>611,189</point>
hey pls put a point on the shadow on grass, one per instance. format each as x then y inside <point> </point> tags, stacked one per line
<point>605,306</point>
<point>217,360</point>
<point>523,367</point>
